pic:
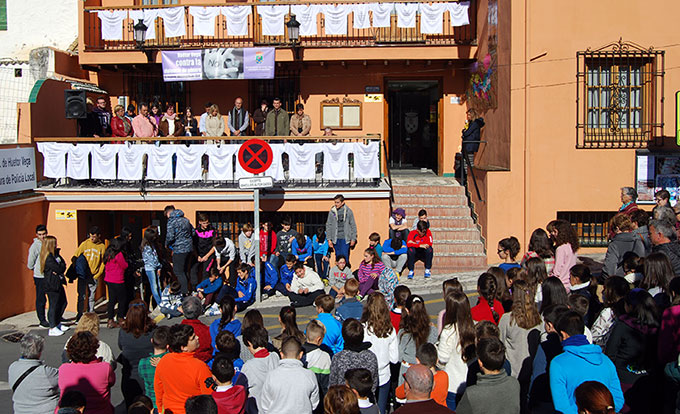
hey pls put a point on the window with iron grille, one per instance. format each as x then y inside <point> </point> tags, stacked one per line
<point>619,96</point>
<point>592,227</point>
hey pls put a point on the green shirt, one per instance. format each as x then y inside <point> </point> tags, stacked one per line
<point>147,373</point>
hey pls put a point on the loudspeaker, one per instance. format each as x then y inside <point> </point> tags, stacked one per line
<point>75,104</point>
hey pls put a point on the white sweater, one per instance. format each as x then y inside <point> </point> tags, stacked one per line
<point>311,281</point>
<point>278,396</point>
<point>385,349</point>
<point>451,356</point>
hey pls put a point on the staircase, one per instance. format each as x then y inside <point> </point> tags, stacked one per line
<point>458,245</point>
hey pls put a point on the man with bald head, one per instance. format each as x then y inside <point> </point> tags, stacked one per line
<point>238,119</point>
<point>418,382</point>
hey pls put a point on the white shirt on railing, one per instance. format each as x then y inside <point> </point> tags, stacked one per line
<point>382,14</point>
<point>221,161</point>
<point>159,165</point>
<point>204,20</point>
<point>335,18</point>
<point>104,161</point>
<point>275,170</point>
<point>361,18</point>
<point>335,161</point>
<point>406,14</point>
<point>366,161</point>
<point>306,14</point>
<point>272,19</point>
<point>130,157</point>
<point>77,161</point>
<point>54,154</point>
<point>149,17</point>
<point>458,13</point>
<point>237,19</point>
<point>301,165</point>
<point>112,23</point>
<point>189,166</point>
<point>173,21</point>
<point>432,17</point>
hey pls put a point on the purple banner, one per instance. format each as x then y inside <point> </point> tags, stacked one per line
<point>223,63</point>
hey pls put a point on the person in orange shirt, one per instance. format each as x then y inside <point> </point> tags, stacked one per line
<point>427,355</point>
<point>179,375</point>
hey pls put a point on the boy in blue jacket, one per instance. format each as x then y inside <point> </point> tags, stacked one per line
<point>287,273</point>
<point>302,249</point>
<point>210,287</point>
<point>394,254</point>
<point>244,294</point>
<point>333,338</point>
<point>580,362</point>
<point>270,279</point>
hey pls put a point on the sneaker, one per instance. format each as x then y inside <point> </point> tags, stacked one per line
<point>278,294</point>
<point>63,328</point>
<point>410,275</point>
<point>55,332</point>
<point>44,324</point>
<point>427,273</point>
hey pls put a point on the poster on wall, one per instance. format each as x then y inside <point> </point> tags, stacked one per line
<point>657,172</point>
<point>17,170</point>
<point>218,63</point>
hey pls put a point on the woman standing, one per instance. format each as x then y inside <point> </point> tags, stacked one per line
<point>566,243</point>
<point>53,266</point>
<point>152,265</point>
<point>156,112</point>
<point>170,125</point>
<point>190,123</point>
<point>134,342</point>
<point>120,125</point>
<point>624,241</point>
<point>541,246</point>
<point>114,276</point>
<point>214,123</point>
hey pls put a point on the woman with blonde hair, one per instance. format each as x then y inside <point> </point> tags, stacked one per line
<point>120,125</point>
<point>54,266</point>
<point>378,330</point>
<point>214,123</point>
<point>340,400</point>
<point>89,322</point>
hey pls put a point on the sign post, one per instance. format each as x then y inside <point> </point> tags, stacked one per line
<point>255,156</point>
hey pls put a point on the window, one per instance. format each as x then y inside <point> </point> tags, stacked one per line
<point>592,227</point>
<point>620,97</point>
<point>345,114</point>
<point>3,14</point>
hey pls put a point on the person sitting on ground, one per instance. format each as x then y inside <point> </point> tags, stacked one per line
<point>338,275</point>
<point>418,384</point>
<point>209,288</point>
<point>227,322</point>
<point>256,370</point>
<point>286,275</point>
<point>34,385</point>
<point>244,294</point>
<point>317,357</point>
<point>246,245</point>
<point>72,402</point>
<point>394,254</point>
<point>305,287</point>
<point>398,225</point>
<point>230,398</point>
<point>350,307</point>
<point>580,362</point>
<point>427,356</point>
<point>419,245</point>
<point>360,382</point>
<point>422,216</point>
<point>277,394</point>
<point>508,249</point>
<point>495,392</point>
<point>289,327</point>
<point>172,390</point>
<point>225,254</point>
<point>356,354</point>
<point>171,300</point>
<point>369,272</point>
<point>147,366</point>
<point>192,309</point>
<point>333,329</point>
<point>271,280</point>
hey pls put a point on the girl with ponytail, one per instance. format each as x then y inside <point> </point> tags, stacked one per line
<point>227,322</point>
<point>488,308</point>
<point>593,397</point>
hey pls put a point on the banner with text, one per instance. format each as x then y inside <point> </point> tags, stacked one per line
<point>17,170</point>
<point>223,63</point>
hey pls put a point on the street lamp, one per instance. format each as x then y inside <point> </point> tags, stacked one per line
<point>140,33</point>
<point>294,35</point>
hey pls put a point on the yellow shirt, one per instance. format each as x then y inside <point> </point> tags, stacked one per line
<point>94,253</point>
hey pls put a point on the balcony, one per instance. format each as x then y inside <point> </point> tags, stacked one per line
<point>373,36</point>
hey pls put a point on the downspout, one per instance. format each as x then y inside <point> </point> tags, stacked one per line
<point>526,119</point>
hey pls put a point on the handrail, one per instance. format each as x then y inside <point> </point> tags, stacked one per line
<point>389,174</point>
<point>465,162</point>
<point>202,138</point>
<point>257,3</point>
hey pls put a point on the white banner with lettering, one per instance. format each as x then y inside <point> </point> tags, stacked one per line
<point>17,170</point>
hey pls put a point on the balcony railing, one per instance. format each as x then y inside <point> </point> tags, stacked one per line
<point>67,166</point>
<point>393,35</point>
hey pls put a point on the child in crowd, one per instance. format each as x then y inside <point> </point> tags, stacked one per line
<point>205,249</point>
<point>374,244</point>
<point>394,254</point>
<point>321,253</point>
<point>415,329</point>
<point>147,366</point>
<point>350,306</point>
<point>401,293</point>
<point>495,391</point>
<point>317,358</point>
<point>508,249</point>
<point>540,246</point>
<point>447,286</point>
<point>171,300</point>
<point>580,280</point>
<point>255,339</point>
<point>488,308</point>
<point>228,346</point>
<point>422,216</point>
<point>483,329</point>
<point>209,288</point>
<point>333,336</point>
<point>301,248</point>
<point>284,241</point>
<point>398,225</point>
<point>286,275</point>
<point>615,291</point>
<point>566,244</point>
<point>387,282</point>
<point>369,272</point>
<point>427,355</point>
<point>225,255</point>
<point>503,294</point>
<point>338,275</point>
<point>669,332</point>
<point>289,327</point>
<point>580,304</point>
<point>419,247</point>
<point>246,245</point>
<point>355,355</point>
<point>192,309</point>
<point>270,279</point>
<point>305,287</point>
<point>360,382</point>
<point>536,275</point>
<point>244,294</point>
<point>152,263</point>
<point>230,398</point>
<point>227,322</point>
<point>514,274</point>
<point>632,268</point>
<point>267,242</point>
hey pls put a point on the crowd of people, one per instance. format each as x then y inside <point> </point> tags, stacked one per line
<point>544,333</point>
<point>157,120</point>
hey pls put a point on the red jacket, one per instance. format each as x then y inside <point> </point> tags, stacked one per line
<point>231,401</point>
<point>267,242</point>
<point>204,351</point>
<point>416,240</point>
<point>482,312</point>
<point>118,127</point>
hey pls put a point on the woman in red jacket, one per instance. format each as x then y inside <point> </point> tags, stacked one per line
<point>120,125</point>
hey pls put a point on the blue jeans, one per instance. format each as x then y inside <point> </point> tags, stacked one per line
<point>321,265</point>
<point>382,394</point>
<point>155,286</point>
<point>451,401</point>
<point>341,249</point>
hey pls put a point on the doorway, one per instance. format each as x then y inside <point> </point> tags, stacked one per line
<point>413,124</point>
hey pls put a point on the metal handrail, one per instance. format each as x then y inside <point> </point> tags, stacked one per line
<point>463,175</point>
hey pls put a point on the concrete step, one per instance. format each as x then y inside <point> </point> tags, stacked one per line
<point>426,189</point>
<point>435,210</point>
<point>459,246</point>
<point>430,199</point>
<point>456,262</point>
<point>445,222</point>
<point>470,233</point>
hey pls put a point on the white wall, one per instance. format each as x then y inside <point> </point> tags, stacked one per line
<point>37,23</point>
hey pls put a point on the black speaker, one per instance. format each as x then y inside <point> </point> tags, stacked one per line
<point>75,104</point>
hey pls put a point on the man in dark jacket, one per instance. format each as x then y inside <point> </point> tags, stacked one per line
<point>471,135</point>
<point>661,233</point>
<point>624,241</point>
<point>179,238</point>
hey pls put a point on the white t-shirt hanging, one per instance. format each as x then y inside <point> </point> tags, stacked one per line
<point>301,165</point>
<point>173,21</point>
<point>382,14</point>
<point>204,20</point>
<point>54,154</point>
<point>189,161</point>
<point>366,162</point>
<point>272,19</point>
<point>432,18</point>
<point>335,162</point>
<point>237,19</point>
<point>335,18</point>
<point>406,14</point>
<point>159,165</point>
<point>149,17</point>
<point>458,13</point>
<point>221,161</point>
<point>361,18</point>
<point>239,172</point>
<point>306,15</point>
<point>78,161</point>
<point>104,161</point>
<point>276,169</point>
<point>112,23</point>
<point>130,161</point>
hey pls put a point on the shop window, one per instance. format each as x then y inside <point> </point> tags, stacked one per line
<point>3,14</point>
<point>620,96</point>
<point>592,227</point>
<point>337,114</point>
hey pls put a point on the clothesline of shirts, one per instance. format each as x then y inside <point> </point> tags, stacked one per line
<point>273,18</point>
<point>125,161</point>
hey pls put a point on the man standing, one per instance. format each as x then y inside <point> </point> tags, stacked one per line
<point>179,239</point>
<point>661,234</point>
<point>130,114</point>
<point>278,123</point>
<point>418,382</point>
<point>104,116</point>
<point>300,123</point>
<point>204,116</point>
<point>260,116</point>
<point>33,263</point>
<point>93,249</point>
<point>341,229</point>
<point>277,394</point>
<point>144,125</point>
<point>238,119</point>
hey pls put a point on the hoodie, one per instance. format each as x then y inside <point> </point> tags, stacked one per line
<point>621,244</point>
<point>179,233</point>
<point>581,362</point>
<point>230,401</point>
<point>246,248</point>
<point>247,286</point>
<point>279,397</point>
<point>333,337</point>
<point>472,132</point>
<point>632,347</point>
<point>302,252</point>
<point>33,262</point>
<point>672,251</point>
<point>349,230</point>
<point>271,275</point>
